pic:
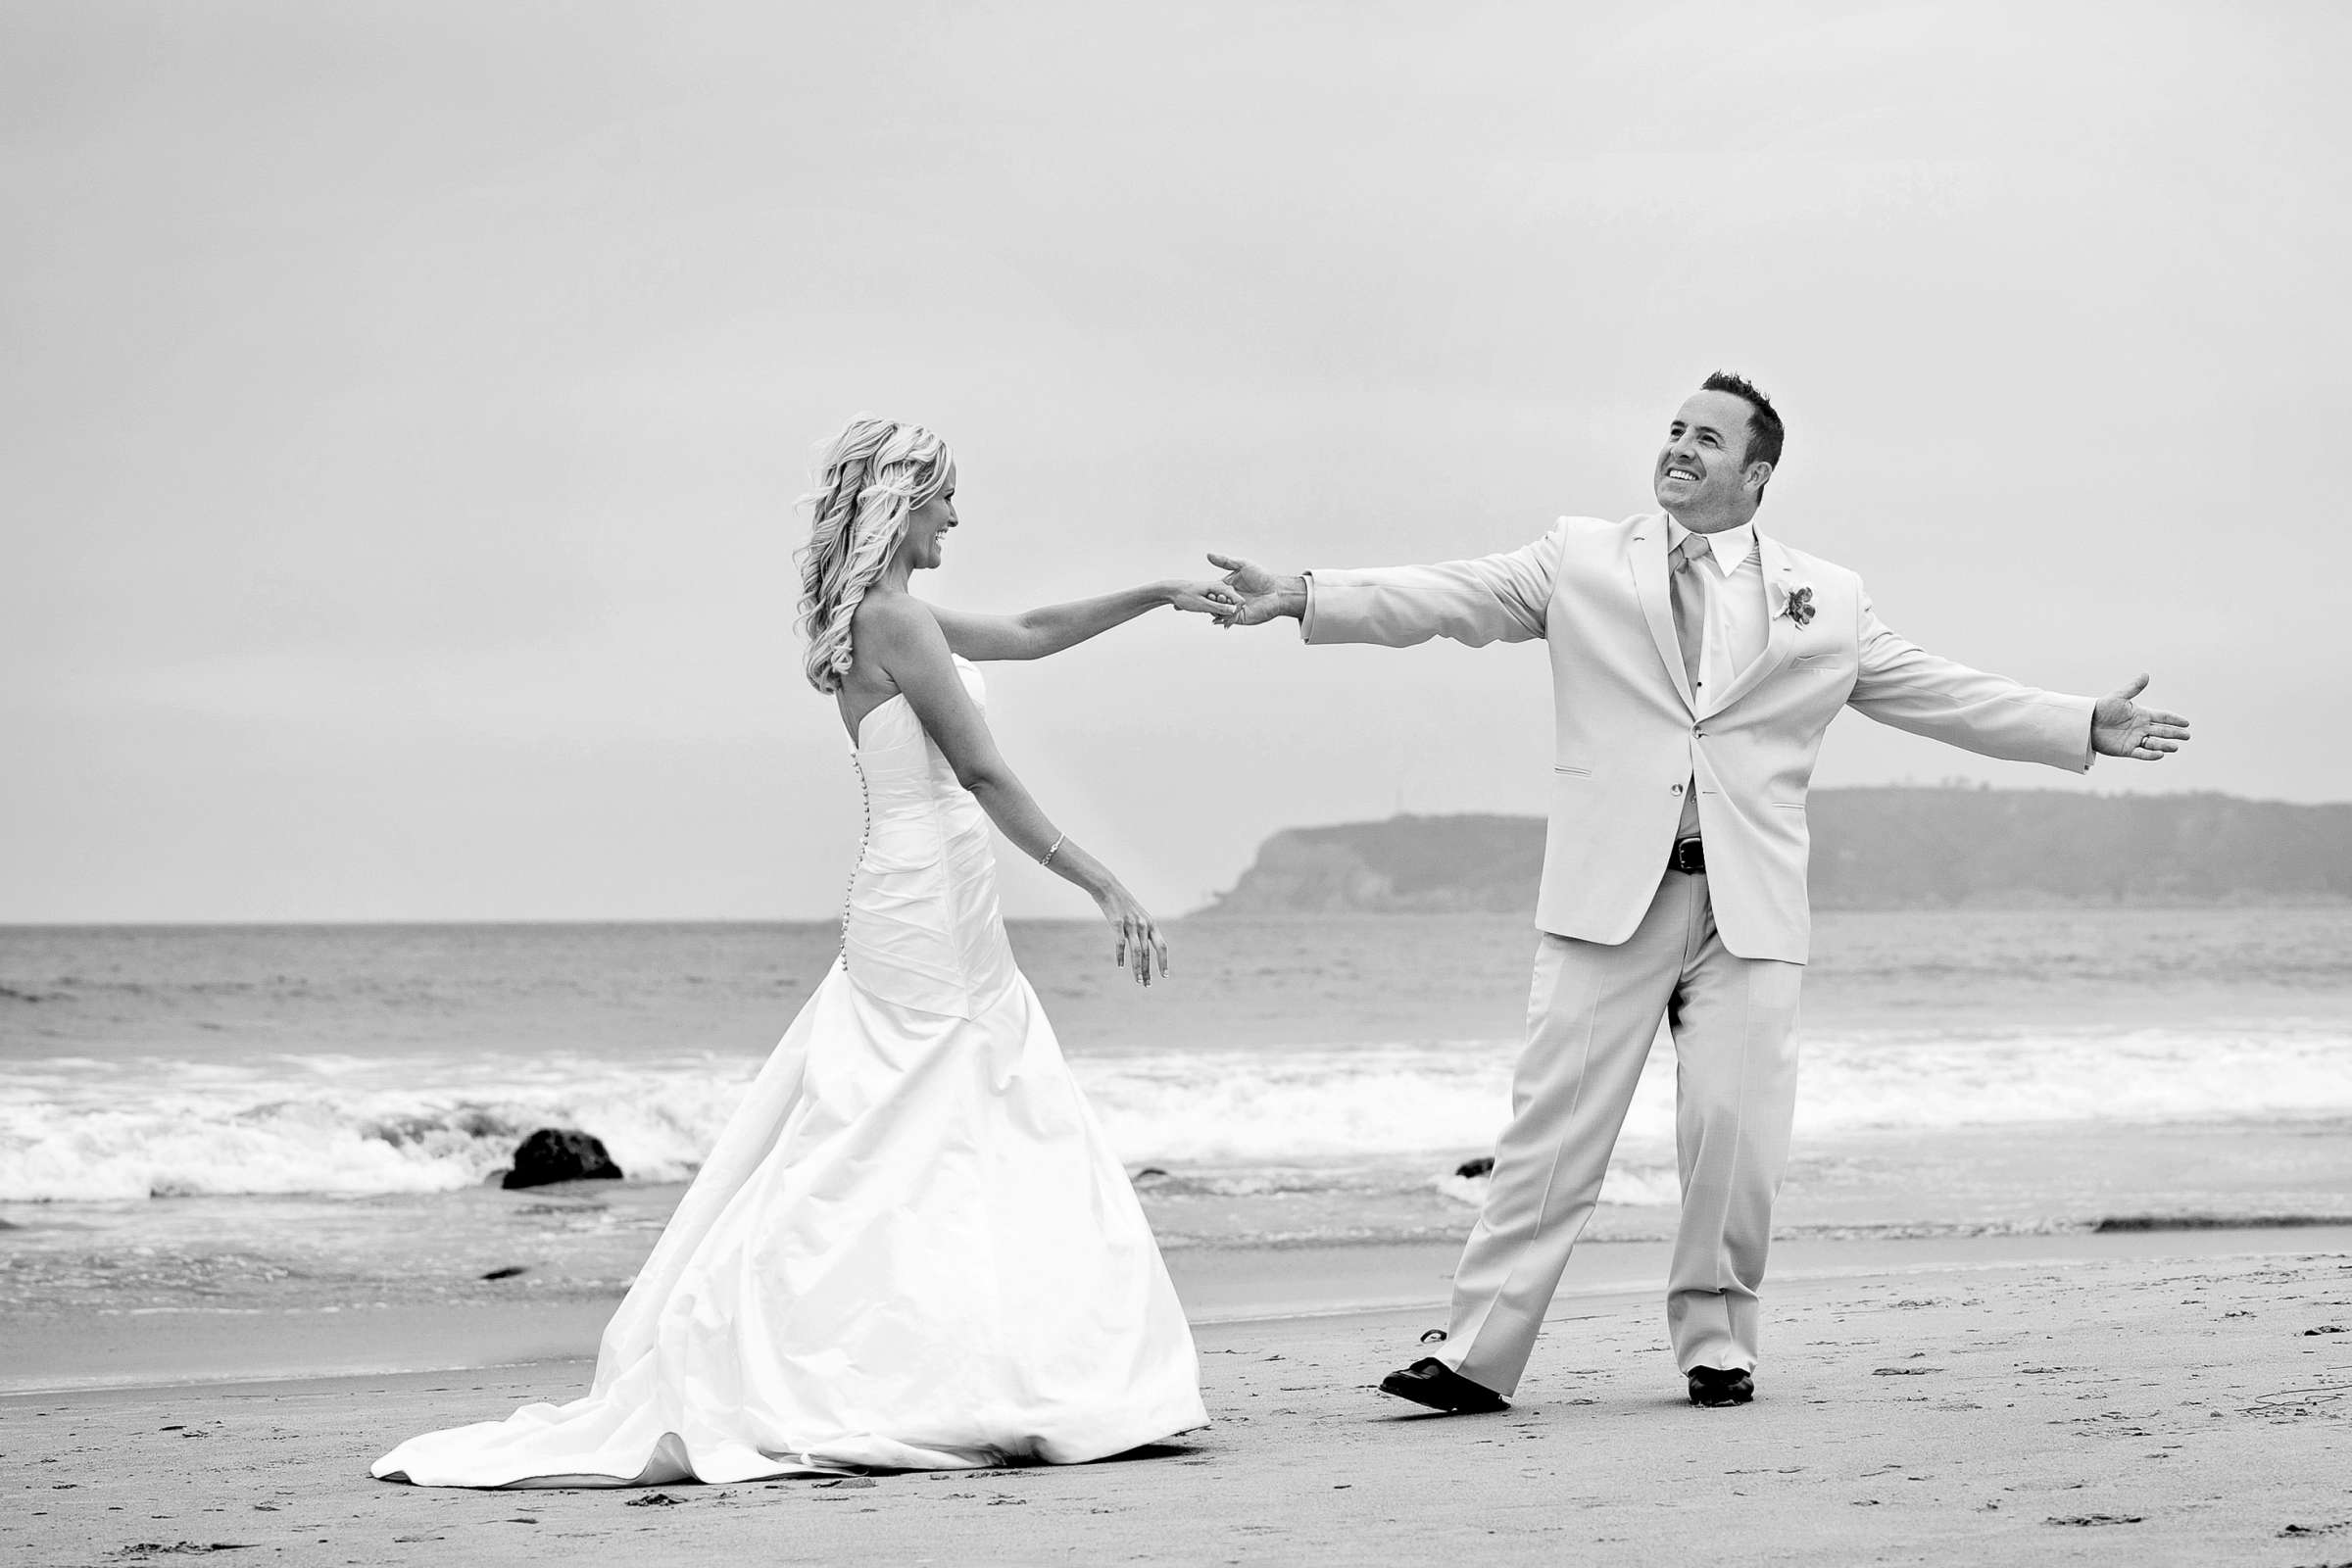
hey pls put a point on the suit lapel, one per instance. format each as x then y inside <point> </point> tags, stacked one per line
<point>1779,640</point>
<point>1658,603</point>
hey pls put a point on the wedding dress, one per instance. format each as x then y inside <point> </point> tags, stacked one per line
<point>912,1246</point>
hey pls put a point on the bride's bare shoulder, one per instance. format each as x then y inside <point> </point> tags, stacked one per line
<point>894,620</point>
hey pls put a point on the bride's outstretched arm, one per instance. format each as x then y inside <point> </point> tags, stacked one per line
<point>1035,633</point>
<point>903,635</point>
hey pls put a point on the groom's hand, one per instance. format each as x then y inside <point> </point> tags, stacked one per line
<point>1261,594</point>
<point>2121,727</point>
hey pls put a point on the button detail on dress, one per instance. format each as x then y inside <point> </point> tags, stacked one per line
<point>865,838</point>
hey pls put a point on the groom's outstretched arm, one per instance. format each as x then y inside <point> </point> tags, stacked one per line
<point>1902,684</point>
<point>1502,597</point>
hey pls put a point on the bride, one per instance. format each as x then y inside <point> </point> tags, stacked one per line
<point>910,1247</point>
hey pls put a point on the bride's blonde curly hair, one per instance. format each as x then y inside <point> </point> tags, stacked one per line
<point>870,477</point>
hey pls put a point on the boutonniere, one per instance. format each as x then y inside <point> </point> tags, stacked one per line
<point>1798,606</point>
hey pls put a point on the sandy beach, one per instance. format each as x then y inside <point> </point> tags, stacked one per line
<point>2033,1297</point>
<point>2156,1398</point>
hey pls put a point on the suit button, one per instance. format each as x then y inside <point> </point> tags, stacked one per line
<point>1673,789</point>
<point>1699,734</point>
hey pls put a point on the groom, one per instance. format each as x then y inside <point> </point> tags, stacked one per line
<point>1694,664</point>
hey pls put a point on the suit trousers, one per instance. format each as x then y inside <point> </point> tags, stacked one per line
<point>1592,1013</point>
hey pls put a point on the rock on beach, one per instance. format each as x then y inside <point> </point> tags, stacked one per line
<point>560,1154</point>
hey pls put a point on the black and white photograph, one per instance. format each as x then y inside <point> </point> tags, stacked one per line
<point>1288,783</point>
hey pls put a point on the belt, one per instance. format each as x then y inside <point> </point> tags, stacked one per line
<point>1690,856</point>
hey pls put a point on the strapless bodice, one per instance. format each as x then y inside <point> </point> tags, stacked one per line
<point>911,798</point>
<point>922,926</point>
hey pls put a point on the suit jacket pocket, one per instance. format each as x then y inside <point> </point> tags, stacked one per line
<point>1571,770</point>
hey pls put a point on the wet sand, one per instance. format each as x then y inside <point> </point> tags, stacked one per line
<point>555,1314</point>
<point>2156,1398</point>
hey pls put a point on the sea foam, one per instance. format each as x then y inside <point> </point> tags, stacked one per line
<point>83,1130</point>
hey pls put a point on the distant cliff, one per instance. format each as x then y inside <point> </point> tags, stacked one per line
<point>1873,849</point>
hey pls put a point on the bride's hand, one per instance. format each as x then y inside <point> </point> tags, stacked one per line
<point>1139,941</point>
<point>1203,598</point>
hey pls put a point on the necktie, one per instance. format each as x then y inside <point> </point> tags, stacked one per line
<point>1691,602</point>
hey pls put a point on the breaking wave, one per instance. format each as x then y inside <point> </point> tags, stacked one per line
<point>86,1130</point>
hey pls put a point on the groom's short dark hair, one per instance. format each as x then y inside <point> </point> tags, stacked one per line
<point>1764,430</point>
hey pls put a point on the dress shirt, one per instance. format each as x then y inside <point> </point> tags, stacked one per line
<point>1738,625</point>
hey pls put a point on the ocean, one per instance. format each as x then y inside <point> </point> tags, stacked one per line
<point>236,1119</point>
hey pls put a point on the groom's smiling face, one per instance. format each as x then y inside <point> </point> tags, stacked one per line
<point>1701,476</point>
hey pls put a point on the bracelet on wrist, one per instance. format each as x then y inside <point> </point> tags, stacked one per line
<point>1047,859</point>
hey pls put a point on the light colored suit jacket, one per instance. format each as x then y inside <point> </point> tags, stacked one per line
<point>1630,739</point>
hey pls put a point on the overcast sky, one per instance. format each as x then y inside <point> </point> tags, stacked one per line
<point>402,405</point>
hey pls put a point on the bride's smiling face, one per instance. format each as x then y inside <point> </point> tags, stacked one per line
<point>927,526</point>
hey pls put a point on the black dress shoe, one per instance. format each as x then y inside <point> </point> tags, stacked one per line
<point>1431,1382</point>
<point>1711,1386</point>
